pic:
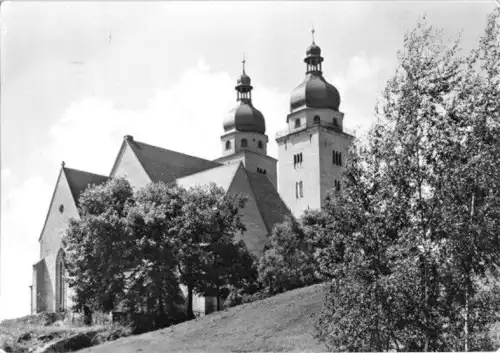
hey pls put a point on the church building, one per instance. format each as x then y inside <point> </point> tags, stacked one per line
<point>310,157</point>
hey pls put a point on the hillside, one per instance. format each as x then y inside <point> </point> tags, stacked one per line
<point>281,323</point>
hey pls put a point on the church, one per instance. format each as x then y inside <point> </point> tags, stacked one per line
<point>311,150</point>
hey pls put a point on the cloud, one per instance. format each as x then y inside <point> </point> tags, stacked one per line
<point>186,117</point>
<point>23,213</point>
<point>359,86</point>
<point>6,172</point>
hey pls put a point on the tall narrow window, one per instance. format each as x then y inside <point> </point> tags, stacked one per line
<point>297,123</point>
<point>60,282</point>
<point>337,158</point>
<point>259,144</point>
<point>301,190</point>
<point>228,145</point>
<point>317,119</point>
<point>296,190</point>
<point>244,143</point>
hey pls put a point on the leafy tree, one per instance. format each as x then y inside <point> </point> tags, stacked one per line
<point>94,245</point>
<point>288,261</point>
<point>154,223</point>
<point>415,230</point>
<point>212,261</point>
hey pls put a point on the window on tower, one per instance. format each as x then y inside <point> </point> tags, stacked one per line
<point>261,171</point>
<point>336,185</point>
<point>297,123</point>
<point>260,145</point>
<point>244,143</point>
<point>228,145</point>
<point>299,190</point>
<point>317,119</point>
<point>337,158</point>
<point>297,160</point>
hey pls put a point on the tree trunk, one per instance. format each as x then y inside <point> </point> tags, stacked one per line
<point>466,325</point>
<point>467,281</point>
<point>189,309</point>
<point>218,298</point>
<point>87,316</point>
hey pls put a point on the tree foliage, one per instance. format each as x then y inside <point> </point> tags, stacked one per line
<point>288,261</point>
<point>94,245</point>
<point>414,234</point>
<point>133,250</point>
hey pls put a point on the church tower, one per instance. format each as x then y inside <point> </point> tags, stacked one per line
<point>312,149</point>
<point>245,138</point>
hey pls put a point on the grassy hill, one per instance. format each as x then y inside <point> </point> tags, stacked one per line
<point>281,323</point>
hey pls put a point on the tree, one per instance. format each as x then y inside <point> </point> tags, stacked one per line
<point>415,230</point>
<point>288,262</point>
<point>154,223</point>
<point>94,245</point>
<point>212,260</point>
<point>473,184</point>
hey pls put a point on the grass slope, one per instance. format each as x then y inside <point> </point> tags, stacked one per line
<point>281,323</point>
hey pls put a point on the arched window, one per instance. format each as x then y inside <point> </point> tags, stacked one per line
<point>335,122</point>
<point>228,145</point>
<point>259,144</point>
<point>60,282</point>
<point>317,119</point>
<point>244,143</point>
<point>297,122</point>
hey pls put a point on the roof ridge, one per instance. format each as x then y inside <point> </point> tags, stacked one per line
<point>173,151</point>
<point>84,171</point>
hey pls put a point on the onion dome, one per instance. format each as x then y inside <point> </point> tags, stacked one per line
<point>313,50</point>
<point>314,91</point>
<point>245,117</point>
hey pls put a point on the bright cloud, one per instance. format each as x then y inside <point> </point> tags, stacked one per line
<point>23,214</point>
<point>6,172</point>
<point>187,117</point>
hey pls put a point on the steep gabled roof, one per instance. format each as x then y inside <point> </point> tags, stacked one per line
<point>222,176</point>
<point>78,181</point>
<point>271,206</point>
<point>166,165</point>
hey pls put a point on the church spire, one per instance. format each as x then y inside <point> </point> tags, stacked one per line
<point>313,58</point>
<point>243,86</point>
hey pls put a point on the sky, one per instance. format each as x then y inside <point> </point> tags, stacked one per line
<point>78,76</point>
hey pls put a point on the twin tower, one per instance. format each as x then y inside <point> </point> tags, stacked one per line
<point>311,150</point>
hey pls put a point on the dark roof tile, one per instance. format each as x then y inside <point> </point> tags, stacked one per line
<point>166,165</point>
<point>271,206</point>
<point>79,180</point>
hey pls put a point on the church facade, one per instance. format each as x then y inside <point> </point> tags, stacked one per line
<point>310,158</point>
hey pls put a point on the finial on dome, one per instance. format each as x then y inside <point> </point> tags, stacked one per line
<point>63,164</point>
<point>243,62</point>
<point>312,33</point>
